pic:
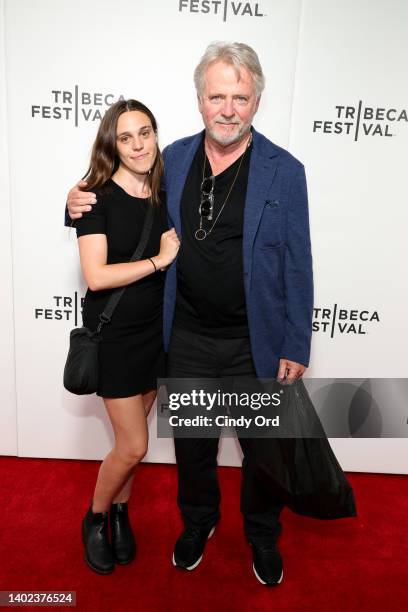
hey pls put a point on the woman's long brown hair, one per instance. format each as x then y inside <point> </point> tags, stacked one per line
<point>104,159</point>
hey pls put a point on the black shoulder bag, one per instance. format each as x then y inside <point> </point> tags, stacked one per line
<point>81,367</point>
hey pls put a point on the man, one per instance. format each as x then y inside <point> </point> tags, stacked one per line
<point>239,300</point>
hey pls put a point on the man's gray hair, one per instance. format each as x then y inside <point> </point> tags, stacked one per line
<point>235,54</point>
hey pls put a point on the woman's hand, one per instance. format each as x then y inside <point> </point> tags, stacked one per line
<point>169,246</point>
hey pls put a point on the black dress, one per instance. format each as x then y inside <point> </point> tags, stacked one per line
<point>131,353</point>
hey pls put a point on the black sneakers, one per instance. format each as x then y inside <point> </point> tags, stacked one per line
<point>98,553</point>
<point>122,538</point>
<point>189,548</point>
<point>267,564</point>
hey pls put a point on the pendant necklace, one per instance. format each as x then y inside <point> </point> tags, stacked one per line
<point>201,233</point>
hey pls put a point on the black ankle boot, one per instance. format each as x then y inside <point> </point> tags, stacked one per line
<point>123,541</point>
<point>98,553</point>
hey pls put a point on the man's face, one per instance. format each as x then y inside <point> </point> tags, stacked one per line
<point>228,103</point>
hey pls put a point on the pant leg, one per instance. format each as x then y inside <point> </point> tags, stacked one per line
<point>260,505</point>
<point>198,490</point>
<point>192,356</point>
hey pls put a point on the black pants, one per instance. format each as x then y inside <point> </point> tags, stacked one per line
<point>193,355</point>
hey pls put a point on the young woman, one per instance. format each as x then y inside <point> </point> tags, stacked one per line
<point>125,173</point>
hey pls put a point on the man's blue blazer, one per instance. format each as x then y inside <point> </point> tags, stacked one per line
<point>276,251</point>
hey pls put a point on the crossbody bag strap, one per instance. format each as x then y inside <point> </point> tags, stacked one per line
<point>113,301</point>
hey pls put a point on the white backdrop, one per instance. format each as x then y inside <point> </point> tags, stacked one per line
<point>352,51</point>
<point>8,429</point>
<point>64,62</point>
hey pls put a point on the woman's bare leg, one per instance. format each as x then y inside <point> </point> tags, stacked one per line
<point>148,400</point>
<point>124,494</point>
<point>128,418</point>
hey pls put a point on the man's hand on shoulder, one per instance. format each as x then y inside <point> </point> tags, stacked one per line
<point>79,200</point>
<point>289,371</point>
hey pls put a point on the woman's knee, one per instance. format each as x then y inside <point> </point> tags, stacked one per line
<point>132,454</point>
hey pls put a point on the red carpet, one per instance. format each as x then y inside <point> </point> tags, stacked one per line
<point>345,565</point>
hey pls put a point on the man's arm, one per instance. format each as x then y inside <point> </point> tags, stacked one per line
<point>298,280</point>
<point>78,202</point>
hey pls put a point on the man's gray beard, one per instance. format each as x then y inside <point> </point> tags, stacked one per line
<point>229,140</point>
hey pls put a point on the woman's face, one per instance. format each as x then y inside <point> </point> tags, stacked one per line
<point>136,142</point>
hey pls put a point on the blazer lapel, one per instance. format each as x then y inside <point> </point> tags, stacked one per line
<point>177,171</point>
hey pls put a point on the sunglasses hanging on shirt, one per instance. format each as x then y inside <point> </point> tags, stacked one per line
<point>206,208</point>
<point>207,196</point>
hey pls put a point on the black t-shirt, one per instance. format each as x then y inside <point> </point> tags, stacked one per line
<point>121,217</point>
<point>210,283</point>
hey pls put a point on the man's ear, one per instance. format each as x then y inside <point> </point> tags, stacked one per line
<point>200,102</point>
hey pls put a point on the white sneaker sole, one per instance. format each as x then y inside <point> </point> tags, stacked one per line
<point>262,581</point>
<point>191,567</point>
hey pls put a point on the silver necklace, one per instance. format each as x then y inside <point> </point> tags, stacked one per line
<point>201,233</point>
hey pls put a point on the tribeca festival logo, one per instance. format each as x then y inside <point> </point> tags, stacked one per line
<point>362,120</point>
<point>343,320</point>
<point>223,8</point>
<point>62,308</point>
<point>75,105</point>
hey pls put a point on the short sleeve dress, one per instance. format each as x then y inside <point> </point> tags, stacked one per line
<point>131,355</point>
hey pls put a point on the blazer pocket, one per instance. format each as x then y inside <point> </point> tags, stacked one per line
<point>269,231</point>
<point>273,247</point>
